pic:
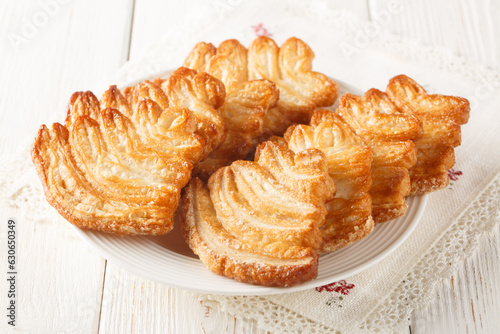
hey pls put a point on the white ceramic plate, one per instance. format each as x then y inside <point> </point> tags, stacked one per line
<point>168,259</point>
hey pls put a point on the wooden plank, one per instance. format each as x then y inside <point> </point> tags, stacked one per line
<point>50,49</point>
<point>73,50</point>
<point>58,281</point>
<point>132,304</point>
<point>467,27</point>
<point>470,301</point>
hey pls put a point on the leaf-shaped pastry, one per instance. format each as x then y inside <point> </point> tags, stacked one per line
<point>259,221</point>
<point>246,103</point>
<point>170,130</point>
<point>390,132</point>
<point>112,159</point>
<point>349,164</point>
<point>69,191</point>
<point>441,117</point>
<point>203,95</point>
<point>290,68</point>
<point>119,166</point>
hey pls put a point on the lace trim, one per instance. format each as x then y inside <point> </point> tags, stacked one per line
<point>439,263</point>
<point>269,316</point>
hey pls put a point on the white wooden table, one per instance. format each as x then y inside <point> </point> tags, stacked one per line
<point>51,48</point>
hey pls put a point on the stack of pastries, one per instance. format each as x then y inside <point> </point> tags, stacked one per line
<point>235,143</point>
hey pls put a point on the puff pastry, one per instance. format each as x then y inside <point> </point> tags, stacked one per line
<point>203,95</point>
<point>159,126</point>
<point>349,161</point>
<point>109,172</point>
<point>259,221</point>
<point>390,133</point>
<point>441,117</point>
<point>246,104</point>
<point>290,68</point>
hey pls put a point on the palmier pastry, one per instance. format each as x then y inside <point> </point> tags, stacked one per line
<point>259,221</point>
<point>159,126</point>
<point>246,103</point>
<point>109,172</point>
<point>441,117</point>
<point>290,68</point>
<point>390,133</point>
<point>349,164</point>
<point>203,95</point>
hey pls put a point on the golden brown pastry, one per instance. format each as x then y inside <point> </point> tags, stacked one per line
<point>290,68</point>
<point>441,117</point>
<point>390,133</point>
<point>144,105</point>
<point>102,193</point>
<point>349,164</point>
<point>70,193</point>
<point>259,221</point>
<point>82,104</point>
<point>246,104</point>
<point>203,95</point>
<point>109,172</point>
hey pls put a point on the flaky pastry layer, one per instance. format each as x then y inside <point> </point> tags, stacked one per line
<point>259,221</point>
<point>246,104</point>
<point>391,133</point>
<point>253,79</point>
<point>301,89</point>
<point>441,117</point>
<point>349,213</point>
